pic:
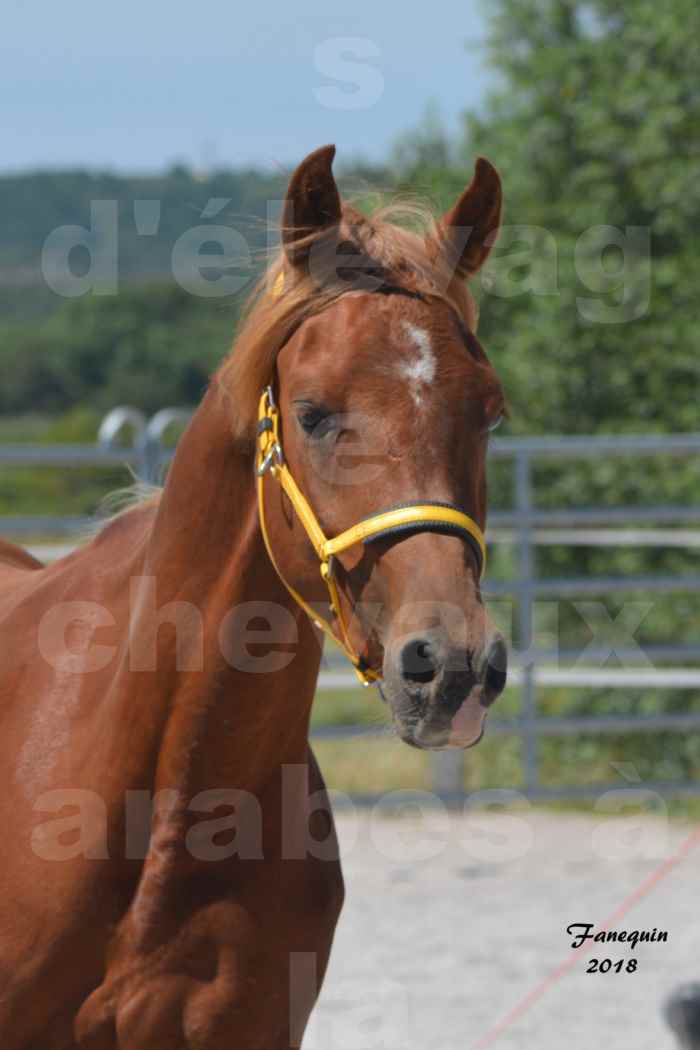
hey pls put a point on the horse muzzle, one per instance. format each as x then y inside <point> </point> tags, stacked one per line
<point>440,695</point>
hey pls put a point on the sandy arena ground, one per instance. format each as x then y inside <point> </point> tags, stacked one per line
<point>450,922</point>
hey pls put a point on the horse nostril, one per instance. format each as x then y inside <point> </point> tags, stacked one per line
<point>418,661</point>
<point>495,675</point>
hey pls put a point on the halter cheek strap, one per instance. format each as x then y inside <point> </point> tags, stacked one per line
<point>405,519</point>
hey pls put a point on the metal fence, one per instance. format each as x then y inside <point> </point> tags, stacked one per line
<point>524,519</point>
<point>527,527</point>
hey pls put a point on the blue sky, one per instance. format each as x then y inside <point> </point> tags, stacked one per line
<point>140,84</point>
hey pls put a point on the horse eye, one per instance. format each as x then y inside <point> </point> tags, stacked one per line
<point>315,421</point>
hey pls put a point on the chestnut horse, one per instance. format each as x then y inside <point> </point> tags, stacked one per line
<point>169,857</point>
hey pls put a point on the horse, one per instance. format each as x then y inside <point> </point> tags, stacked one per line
<point>171,877</point>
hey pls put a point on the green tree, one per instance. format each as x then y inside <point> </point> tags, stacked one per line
<point>598,123</point>
<point>152,345</point>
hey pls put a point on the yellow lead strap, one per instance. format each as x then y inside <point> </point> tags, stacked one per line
<point>414,517</point>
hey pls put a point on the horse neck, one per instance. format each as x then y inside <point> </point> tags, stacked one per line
<point>224,726</point>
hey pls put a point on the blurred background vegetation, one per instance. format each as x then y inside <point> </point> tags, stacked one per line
<point>595,121</point>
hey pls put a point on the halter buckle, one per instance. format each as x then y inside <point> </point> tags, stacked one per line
<point>327,568</point>
<point>274,457</point>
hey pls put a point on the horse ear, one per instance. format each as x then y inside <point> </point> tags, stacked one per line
<point>468,231</point>
<point>312,204</point>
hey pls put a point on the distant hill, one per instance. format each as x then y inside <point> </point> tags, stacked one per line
<point>33,205</point>
<point>154,343</point>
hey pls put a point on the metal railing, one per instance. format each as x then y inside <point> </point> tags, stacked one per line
<point>527,588</point>
<point>526,526</point>
<point>125,439</point>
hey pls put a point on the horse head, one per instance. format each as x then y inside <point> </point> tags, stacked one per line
<point>382,398</point>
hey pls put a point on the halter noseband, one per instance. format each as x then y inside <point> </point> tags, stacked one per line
<point>408,518</point>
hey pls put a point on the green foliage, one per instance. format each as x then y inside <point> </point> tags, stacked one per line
<point>152,345</point>
<point>35,205</point>
<point>596,122</point>
<point>41,490</point>
<point>599,125</point>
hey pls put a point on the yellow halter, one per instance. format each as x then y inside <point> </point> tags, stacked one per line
<point>408,518</point>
